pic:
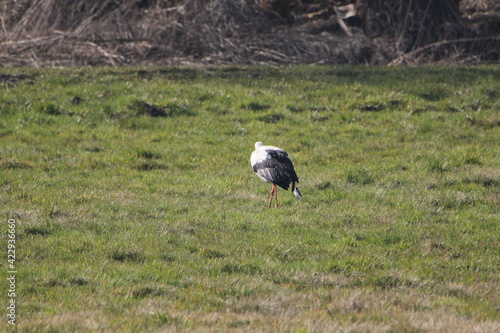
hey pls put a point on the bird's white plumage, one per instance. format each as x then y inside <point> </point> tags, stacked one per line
<point>260,155</point>
<point>273,165</point>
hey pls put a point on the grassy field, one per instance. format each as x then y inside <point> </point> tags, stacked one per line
<point>137,210</point>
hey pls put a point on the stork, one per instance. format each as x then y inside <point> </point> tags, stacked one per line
<point>273,165</point>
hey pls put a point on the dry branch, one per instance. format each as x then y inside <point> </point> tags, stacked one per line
<point>169,32</point>
<point>406,58</point>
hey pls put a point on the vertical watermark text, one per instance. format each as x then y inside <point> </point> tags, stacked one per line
<point>11,271</point>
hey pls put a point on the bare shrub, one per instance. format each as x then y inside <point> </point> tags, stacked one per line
<point>173,32</point>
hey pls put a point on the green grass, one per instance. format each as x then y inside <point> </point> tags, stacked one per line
<point>137,209</point>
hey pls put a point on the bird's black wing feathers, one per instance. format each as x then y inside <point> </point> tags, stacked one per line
<point>278,169</point>
<point>284,162</point>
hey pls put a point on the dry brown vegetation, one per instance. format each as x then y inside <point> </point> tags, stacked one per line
<point>171,32</point>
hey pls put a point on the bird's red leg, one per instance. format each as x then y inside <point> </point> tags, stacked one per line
<point>273,190</point>
<point>276,195</point>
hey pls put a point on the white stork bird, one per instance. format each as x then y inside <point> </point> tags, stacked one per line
<point>273,165</point>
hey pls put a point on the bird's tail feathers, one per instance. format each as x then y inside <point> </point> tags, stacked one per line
<point>297,192</point>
